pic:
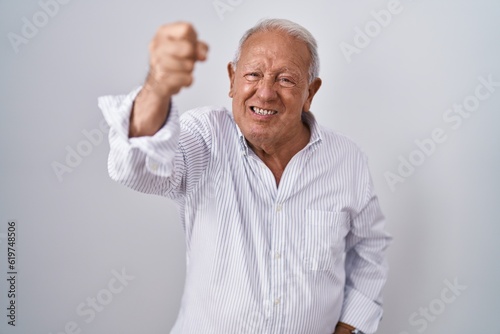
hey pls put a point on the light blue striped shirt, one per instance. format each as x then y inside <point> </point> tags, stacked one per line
<point>292,259</point>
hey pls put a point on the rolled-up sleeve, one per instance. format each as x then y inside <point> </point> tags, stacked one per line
<point>150,164</point>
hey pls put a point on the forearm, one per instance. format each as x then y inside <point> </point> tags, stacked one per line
<point>147,164</point>
<point>149,111</point>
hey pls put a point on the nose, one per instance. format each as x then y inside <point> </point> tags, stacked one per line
<point>266,89</point>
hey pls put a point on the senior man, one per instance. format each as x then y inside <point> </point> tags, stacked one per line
<point>284,233</point>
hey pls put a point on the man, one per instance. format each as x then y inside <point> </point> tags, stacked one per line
<point>284,233</point>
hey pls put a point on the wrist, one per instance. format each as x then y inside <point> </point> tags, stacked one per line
<point>157,84</point>
<point>149,113</point>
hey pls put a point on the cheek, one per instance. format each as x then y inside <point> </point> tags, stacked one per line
<point>293,99</point>
<point>243,89</point>
<point>300,98</point>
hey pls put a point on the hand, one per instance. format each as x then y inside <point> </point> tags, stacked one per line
<point>342,330</point>
<point>173,53</point>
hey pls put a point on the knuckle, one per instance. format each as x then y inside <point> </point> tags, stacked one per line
<point>163,30</point>
<point>188,49</point>
<point>186,31</point>
<point>185,27</point>
<point>181,49</point>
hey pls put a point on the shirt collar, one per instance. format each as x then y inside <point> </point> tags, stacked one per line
<point>310,119</point>
<point>307,117</point>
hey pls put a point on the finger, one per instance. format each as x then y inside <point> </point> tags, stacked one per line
<point>170,84</point>
<point>170,63</point>
<point>179,49</point>
<point>178,30</point>
<point>178,81</point>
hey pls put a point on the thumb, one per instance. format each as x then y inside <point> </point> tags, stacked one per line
<point>201,50</point>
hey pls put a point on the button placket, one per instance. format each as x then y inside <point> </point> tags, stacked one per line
<point>278,265</point>
<point>279,207</point>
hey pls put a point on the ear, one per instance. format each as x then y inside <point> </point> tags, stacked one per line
<point>230,72</point>
<point>313,88</point>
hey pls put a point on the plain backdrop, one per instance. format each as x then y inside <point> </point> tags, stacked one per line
<point>76,228</point>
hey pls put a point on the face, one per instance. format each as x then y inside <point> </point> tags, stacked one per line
<point>270,88</point>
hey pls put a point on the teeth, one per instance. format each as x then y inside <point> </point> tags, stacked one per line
<point>263,111</point>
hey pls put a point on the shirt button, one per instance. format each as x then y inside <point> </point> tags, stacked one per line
<point>277,255</point>
<point>279,207</point>
<point>277,301</point>
<point>154,166</point>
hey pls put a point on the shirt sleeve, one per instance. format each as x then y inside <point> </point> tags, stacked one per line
<point>154,164</point>
<point>366,264</point>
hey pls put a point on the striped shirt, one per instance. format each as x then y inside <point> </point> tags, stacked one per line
<point>261,258</point>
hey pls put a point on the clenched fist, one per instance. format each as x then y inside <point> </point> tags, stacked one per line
<point>173,53</point>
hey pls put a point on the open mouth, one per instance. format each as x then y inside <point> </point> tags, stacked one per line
<point>263,112</point>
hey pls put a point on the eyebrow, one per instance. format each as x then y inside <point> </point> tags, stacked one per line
<point>254,66</point>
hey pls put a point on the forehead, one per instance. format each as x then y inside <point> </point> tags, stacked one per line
<point>275,48</point>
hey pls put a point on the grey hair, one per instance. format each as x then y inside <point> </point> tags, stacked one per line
<point>292,29</point>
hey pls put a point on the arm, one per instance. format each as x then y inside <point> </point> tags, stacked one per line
<point>146,141</point>
<point>173,53</point>
<point>366,264</point>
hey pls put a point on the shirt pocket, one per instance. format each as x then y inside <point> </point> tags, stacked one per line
<point>323,236</point>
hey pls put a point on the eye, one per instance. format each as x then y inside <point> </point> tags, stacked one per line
<point>286,82</point>
<point>252,76</point>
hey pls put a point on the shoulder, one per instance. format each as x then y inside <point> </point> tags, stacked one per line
<point>205,113</point>
<point>336,138</point>
<point>340,147</point>
<point>330,140</point>
<point>208,116</point>
<point>208,124</point>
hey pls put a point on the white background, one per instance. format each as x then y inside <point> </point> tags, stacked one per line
<point>73,231</point>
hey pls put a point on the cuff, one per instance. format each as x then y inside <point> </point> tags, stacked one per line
<point>160,149</point>
<point>360,311</point>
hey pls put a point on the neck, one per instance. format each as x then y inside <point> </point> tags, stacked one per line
<point>276,155</point>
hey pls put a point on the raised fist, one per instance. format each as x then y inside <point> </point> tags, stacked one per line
<point>173,53</point>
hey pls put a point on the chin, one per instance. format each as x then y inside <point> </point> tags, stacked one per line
<point>258,136</point>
